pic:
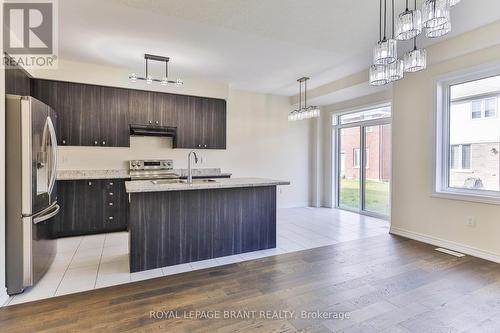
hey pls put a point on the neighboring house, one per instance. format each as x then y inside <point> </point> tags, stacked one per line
<point>378,150</point>
<point>475,142</point>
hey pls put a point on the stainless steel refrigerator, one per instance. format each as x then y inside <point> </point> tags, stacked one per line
<point>31,196</point>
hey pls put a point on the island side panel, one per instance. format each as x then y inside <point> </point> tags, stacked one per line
<point>174,227</point>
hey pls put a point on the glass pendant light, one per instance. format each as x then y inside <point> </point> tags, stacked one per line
<point>454,2</point>
<point>409,23</point>
<point>415,60</point>
<point>435,13</point>
<point>379,75</point>
<point>439,31</point>
<point>385,52</point>
<point>396,70</point>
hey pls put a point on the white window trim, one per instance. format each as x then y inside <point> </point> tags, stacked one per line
<point>441,188</point>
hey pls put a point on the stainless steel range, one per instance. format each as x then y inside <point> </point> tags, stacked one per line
<point>152,169</point>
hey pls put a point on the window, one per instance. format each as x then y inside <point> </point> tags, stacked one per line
<point>460,157</point>
<point>468,159</point>
<point>484,108</point>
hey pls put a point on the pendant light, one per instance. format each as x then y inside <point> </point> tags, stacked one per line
<point>304,112</point>
<point>385,51</point>
<point>149,78</point>
<point>416,59</point>
<point>439,31</point>
<point>395,71</point>
<point>435,13</point>
<point>409,23</point>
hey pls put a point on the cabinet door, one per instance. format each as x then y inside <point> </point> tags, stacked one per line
<point>218,127</point>
<point>79,207</point>
<point>164,110</point>
<point>186,124</point>
<point>210,123</point>
<point>69,101</point>
<point>114,117</point>
<point>141,107</point>
<point>91,105</point>
<point>204,122</point>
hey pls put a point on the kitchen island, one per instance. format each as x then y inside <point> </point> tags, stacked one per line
<point>172,222</point>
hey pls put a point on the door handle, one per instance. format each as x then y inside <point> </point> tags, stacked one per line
<point>53,138</point>
<point>47,213</point>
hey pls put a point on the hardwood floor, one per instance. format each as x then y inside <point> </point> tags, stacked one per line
<point>382,284</point>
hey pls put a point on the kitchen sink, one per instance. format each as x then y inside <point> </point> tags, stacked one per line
<point>183,181</point>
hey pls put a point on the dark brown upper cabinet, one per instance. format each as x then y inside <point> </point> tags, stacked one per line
<point>202,124</point>
<point>92,115</point>
<point>88,115</point>
<point>17,82</point>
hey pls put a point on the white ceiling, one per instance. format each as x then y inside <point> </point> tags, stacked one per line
<point>257,45</point>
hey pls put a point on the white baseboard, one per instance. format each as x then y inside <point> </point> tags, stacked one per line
<point>466,249</point>
<point>3,297</point>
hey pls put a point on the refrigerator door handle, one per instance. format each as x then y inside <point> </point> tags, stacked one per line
<point>47,213</point>
<point>53,140</point>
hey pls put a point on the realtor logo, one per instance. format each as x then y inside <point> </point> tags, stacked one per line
<point>29,34</point>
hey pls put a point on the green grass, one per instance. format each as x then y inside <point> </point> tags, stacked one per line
<point>377,195</point>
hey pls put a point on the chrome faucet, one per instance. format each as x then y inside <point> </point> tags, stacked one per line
<point>190,176</point>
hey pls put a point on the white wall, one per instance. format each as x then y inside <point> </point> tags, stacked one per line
<point>415,212</point>
<point>260,140</point>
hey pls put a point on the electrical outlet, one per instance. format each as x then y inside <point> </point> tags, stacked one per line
<point>471,222</point>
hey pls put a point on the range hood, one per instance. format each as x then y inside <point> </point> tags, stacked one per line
<point>151,130</point>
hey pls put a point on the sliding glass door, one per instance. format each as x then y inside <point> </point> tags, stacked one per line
<point>363,161</point>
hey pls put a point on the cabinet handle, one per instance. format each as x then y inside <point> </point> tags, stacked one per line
<point>157,122</point>
<point>199,146</point>
<point>110,193</point>
<point>63,142</point>
<point>96,143</point>
<point>150,122</point>
<point>110,218</point>
<point>104,143</point>
<point>111,204</point>
<point>111,183</point>
<point>205,146</point>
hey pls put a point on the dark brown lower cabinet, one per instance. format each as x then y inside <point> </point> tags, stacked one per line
<point>170,228</point>
<point>91,207</point>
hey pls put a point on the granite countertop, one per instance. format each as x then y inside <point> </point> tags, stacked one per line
<point>139,186</point>
<point>92,174</point>
<point>124,174</point>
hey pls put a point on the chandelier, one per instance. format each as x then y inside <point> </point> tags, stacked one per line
<point>304,112</point>
<point>149,79</point>
<point>434,18</point>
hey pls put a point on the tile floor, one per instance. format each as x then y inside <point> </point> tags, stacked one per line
<point>97,261</point>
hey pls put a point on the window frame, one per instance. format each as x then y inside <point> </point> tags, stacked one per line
<point>442,155</point>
